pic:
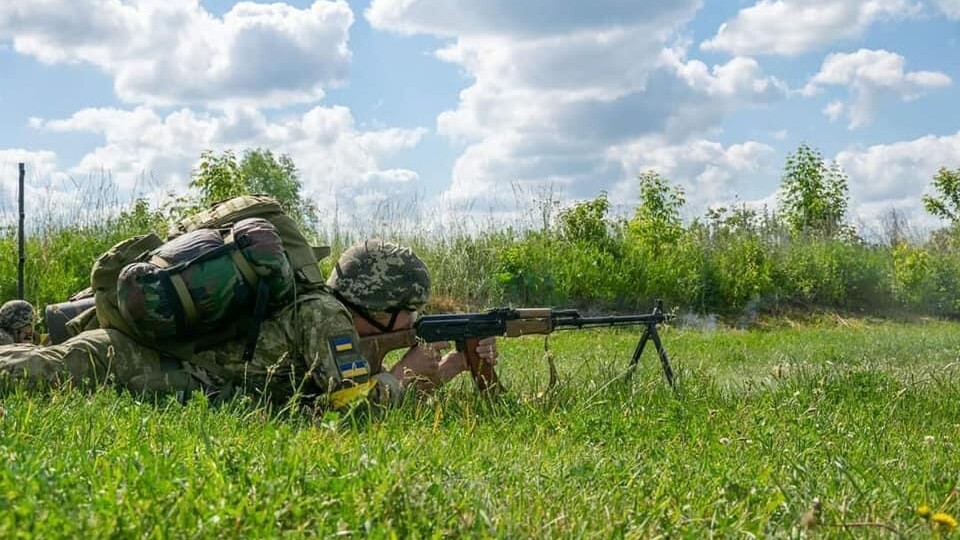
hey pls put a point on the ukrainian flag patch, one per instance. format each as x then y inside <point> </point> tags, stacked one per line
<point>342,344</point>
<point>354,369</point>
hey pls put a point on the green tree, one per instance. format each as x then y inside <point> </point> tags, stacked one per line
<point>586,221</point>
<point>814,195</point>
<point>218,177</point>
<point>656,220</point>
<point>221,176</point>
<point>945,202</point>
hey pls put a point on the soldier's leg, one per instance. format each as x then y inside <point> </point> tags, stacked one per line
<point>109,356</point>
<point>93,358</point>
<point>31,366</point>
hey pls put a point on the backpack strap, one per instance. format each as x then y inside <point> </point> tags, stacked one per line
<point>180,288</point>
<point>246,269</point>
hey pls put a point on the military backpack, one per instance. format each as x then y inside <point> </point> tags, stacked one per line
<point>216,278</point>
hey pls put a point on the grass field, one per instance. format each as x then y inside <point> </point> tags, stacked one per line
<point>863,417</point>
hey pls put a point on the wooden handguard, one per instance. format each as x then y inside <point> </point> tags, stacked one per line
<point>530,321</point>
<point>483,373</point>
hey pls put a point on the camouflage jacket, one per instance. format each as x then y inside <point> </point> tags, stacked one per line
<point>309,347</point>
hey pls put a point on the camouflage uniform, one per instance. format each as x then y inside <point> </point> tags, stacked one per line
<point>304,348</point>
<point>298,350</point>
<point>14,316</point>
<point>91,358</point>
<point>296,353</point>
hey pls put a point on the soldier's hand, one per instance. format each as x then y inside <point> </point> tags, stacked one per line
<point>455,363</point>
<point>487,350</point>
<point>421,364</point>
<point>424,365</point>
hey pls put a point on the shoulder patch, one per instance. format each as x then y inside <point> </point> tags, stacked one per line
<point>342,343</point>
<point>351,364</point>
<point>354,369</point>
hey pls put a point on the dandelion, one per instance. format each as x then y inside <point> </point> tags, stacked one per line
<point>945,520</point>
<point>923,511</point>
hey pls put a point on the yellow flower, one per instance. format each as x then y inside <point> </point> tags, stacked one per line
<point>923,511</point>
<point>942,518</point>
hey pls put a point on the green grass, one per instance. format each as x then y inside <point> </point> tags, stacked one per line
<point>864,416</point>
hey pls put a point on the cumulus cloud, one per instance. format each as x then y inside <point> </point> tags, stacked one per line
<point>834,110</point>
<point>790,27</point>
<point>148,152</point>
<point>950,8</point>
<point>709,172</point>
<point>535,137</point>
<point>871,74</point>
<point>175,51</point>
<point>39,166</point>
<point>889,172</point>
<point>45,188</point>
<point>555,101</point>
<point>532,18</point>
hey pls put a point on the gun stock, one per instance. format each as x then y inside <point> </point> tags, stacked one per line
<point>375,348</point>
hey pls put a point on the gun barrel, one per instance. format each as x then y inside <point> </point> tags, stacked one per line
<point>611,320</point>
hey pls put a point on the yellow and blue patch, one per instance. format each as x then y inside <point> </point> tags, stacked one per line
<point>354,369</point>
<point>342,344</point>
<point>352,365</point>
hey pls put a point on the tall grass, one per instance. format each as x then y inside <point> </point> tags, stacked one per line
<point>862,418</point>
<point>559,256</point>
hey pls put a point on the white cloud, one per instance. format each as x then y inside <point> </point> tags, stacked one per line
<point>870,74</point>
<point>531,18</point>
<point>45,188</point>
<point>552,95</point>
<point>834,110</point>
<point>886,173</point>
<point>950,8</point>
<point>146,152</point>
<point>709,172</point>
<point>39,166</point>
<point>174,51</point>
<point>790,27</point>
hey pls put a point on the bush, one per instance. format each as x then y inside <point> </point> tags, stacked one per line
<point>581,257</point>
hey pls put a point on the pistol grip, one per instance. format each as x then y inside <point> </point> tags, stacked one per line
<point>483,373</point>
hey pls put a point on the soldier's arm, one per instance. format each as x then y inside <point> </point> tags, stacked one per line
<point>330,348</point>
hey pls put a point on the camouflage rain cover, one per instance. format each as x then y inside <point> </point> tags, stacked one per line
<point>216,286</point>
<point>263,248</point>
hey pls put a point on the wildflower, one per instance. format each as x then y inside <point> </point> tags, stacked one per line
<point>944,519</point>
<point>923,511</point>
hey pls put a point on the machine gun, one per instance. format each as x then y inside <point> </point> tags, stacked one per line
<point>467,329</point>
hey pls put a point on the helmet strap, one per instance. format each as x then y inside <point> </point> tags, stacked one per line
<point>365,314</point>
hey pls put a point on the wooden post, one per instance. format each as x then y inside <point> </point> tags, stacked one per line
<point>20,238</point>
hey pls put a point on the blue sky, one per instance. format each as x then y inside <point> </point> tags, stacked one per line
<point>461,103</point>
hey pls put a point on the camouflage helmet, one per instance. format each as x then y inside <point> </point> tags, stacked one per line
<point>16,314</point>
<point>380,276</point>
